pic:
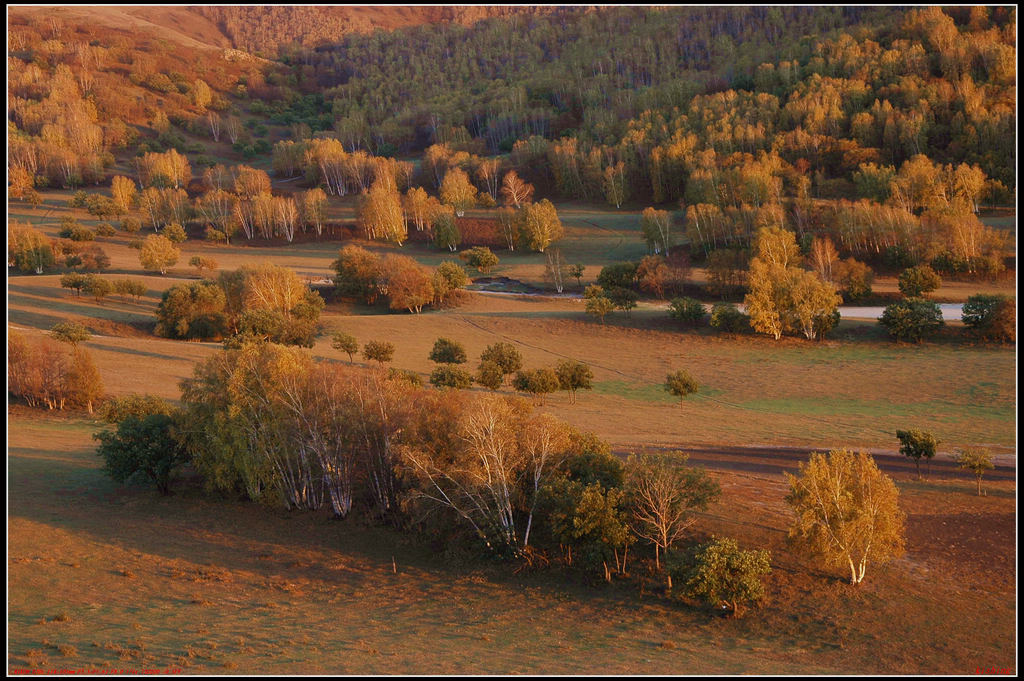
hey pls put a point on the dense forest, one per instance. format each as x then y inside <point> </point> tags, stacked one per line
<point>883,129</point>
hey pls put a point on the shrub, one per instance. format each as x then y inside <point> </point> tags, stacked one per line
<point>117,409</point>
<point>105,229</point>
<point>719,572</point>
<point>141,446</point>
<point>687,310</point>
<point>131,225</point>
<point>75,231</point>
<point>450,376</point>
<point>378,351</point>
<point>911,320</point>
<point>728,318</point>
<point>490,375</point>
<point>447,351</point>
<point>914,282</point>
<point>192,310</point>
<point>480,257</point>
<point>175,232</point>
<point>70,332</point>
<point>991,317</point>
<point>617,275</point>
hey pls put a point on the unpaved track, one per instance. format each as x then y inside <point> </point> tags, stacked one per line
<point>776,460</point>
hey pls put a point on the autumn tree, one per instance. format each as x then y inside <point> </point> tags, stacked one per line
<point>158,254</point>
<point>457,191</point>
<point>72,333</point>
<point>536,382</point>
<point>358,272</point>
<point>655,226</point>
<point>847,511</point>
<point>538,225</point>
<point>409,285</point>
<point>193,310</point>
<point>124,192</point>
<point>596,303</point>
<point>480,257</point>
<point>203,264</point>
<point>663,498</point>
<point>380,213</point>
<point>515,191</point>
<point>991,317</point>
<point>505,355</point>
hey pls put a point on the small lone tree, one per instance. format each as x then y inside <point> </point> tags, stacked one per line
<point>719,572</point>
<point>70,332</point>
<point>917,445</point>
<point>141,446</point>
<point>914,282</point>
<point>447,351</point>
<point>597,303</point>
<point>379,351</point>
<point>991,317</point>
<point>847,511</point>
<point>681,383</point>
<point>346,343</point>
<point>976,460</point>
<point>576,272</point>
<point>158,254</point>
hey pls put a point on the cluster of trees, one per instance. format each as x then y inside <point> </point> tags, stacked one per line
<point>43,372</point>
<point>266,302</point>
<point>405,284</point>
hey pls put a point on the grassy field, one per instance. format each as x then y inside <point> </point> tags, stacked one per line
<point>105,577</point>
<point>118,578</point>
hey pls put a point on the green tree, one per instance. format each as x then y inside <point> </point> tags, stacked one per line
<point>991,317</point>
<point>358,273</point>
<point>719,572</point>
<point>451,376</point>
<point>378,351</point>
<point>917,445</point>
<point>446,231</point>
<point>617,275</point>
<point>573,376</point>
<point>687,310</point>
<point>596,303</point>
<point>680,384</point>
<point>976,460</point>
<point>847,511</point>
<point>505,356</point>
<point>447,351</point>
<point>175,232</point>
<point>98,287</point>
<point>141,446</point>
<point>728,318</point>
<point>537,382</point>
<point>914,282</point>
<point>193,310</point>
<point>911,320</point>
<point>576,272</point>
<point>448,277</point>
<point>346,343</point>
<point>490,375</point>
<point>591,522</point>
<point>480,257</point>
<point>70,332</point>
<point>623,298</point>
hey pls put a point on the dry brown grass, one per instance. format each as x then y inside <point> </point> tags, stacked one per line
<point>299,593</point>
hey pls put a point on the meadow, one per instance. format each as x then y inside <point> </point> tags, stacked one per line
<point>114,577</point>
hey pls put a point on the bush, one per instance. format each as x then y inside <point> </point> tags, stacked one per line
<point>447,351</point>
<point>141,446</point>
<point>719,572</point>
<point>490,375</point>
<point>537,382</point>
<point>118,409</point>
<point>379,351</point>
<point>911,320</point>
<point>194,310</point>
<point>105,229</point>
<point>450,376</point>
<point>914,282</point>
<point>70,332</point>
<point>618,275</point>
<point>74,231</point>
<point>131,225</point>
<point>727,317</point>
<point>991,317</point>
<point>175,232</point>
<point>687,310</point>
<point>480,257</point>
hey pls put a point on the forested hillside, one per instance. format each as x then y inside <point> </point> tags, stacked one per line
<point>883,129</point>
